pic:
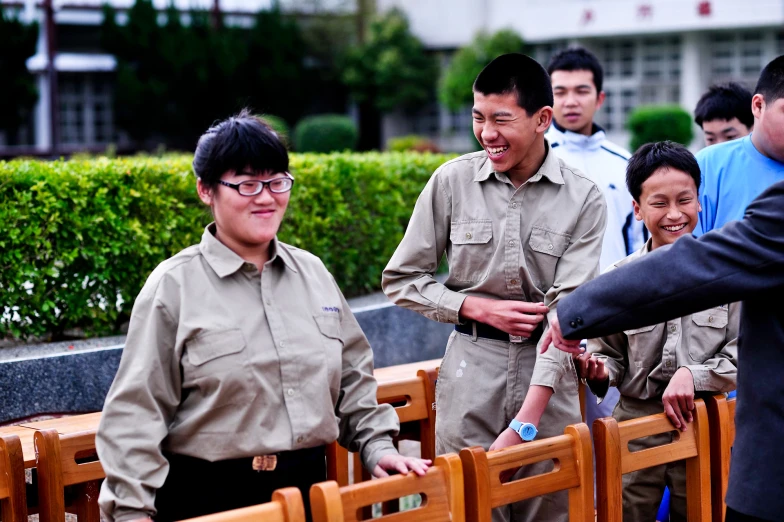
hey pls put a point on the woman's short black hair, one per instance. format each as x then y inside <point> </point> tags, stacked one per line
<point>241,142</point>
<point>519,74</point>
<point>651,157</point>
<point>578,59</point>
<point>724,102</point>
<point>771,81</point>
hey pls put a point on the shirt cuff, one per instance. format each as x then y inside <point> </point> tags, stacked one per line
<point>706,380</point>
<point>124,515</point>
<point>547,373</point>
<point>375,450</point>
<point>449,306</point>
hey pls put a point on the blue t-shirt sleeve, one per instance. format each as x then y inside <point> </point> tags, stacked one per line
<point>707,196</point>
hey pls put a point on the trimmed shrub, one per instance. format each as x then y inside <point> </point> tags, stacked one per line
<point>326,133</point>
<point>81,237</point>
<point>413,143</point>
<point>650,123</point>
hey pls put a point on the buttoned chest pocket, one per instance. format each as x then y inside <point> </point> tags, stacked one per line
<point>546,247</point>
<point>708,333</point>
<point>331,341</point>
<point>216,363</point>
<point>472,250</point>
<point>645,346</point>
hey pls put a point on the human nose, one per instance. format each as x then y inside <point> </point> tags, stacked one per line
<point>489,132</point>
<point>570,99</point>
<point>265,195</point>
<point>674,212</point>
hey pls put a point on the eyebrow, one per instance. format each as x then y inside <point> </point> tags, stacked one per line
<point>581,86</point>
<point>495,114</point>
<point>728,129</point>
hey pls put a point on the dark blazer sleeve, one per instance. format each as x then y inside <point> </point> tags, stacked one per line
<point>729,264</point>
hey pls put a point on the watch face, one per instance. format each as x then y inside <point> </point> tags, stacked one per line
<point>528,432</point>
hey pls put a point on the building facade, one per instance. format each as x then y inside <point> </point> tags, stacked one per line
<point>653,51</point>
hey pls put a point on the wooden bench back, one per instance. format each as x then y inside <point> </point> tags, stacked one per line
<point>441,490</point>
<point>66,460</point>
<point>573,470</point>
<point>13,497</point>
<point>721,415</point>
<point>613,459</point>
<point>286,506</point>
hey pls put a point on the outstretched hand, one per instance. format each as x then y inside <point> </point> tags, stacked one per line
<point>554,336</point>
<point>678,398</point>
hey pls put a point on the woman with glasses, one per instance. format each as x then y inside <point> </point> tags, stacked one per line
<point>242,360</point>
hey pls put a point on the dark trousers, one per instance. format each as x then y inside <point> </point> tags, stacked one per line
<point>734,516</point>
<point>196,487</point>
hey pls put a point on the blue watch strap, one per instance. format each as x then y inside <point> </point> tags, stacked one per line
<point>527,431</point>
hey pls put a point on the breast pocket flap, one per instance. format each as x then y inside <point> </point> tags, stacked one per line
<point>640,330</point>
<point>471,232</point>
<point>328,324</point>
<point>713,318</point>
<point>212,345</point>
<point>548,242</point>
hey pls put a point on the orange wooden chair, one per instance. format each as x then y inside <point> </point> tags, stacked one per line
<point>13,497</point>
<point>413,400</point>
<point>721,417</point>
<point>286,506</point>
<point>67,460</point>
<point>613,459</point>
<point>441,490</point>
<point>573,471</point>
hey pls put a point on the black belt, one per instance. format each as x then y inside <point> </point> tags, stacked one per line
<point>278,461</point>
<point>491,332</point>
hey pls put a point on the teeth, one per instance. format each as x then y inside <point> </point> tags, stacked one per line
<point>497,150</point>
<point>674,228</point>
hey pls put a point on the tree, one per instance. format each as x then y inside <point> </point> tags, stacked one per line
<point>454,90</point>
<point>18,93</point>
<point>390,70</point>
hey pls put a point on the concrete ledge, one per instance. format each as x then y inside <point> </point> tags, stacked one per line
<point>74,377</point>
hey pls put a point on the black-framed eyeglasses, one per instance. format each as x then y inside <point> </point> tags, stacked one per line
<point>253,187</point>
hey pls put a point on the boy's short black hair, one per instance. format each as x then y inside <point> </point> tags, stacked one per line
<point>771,80</point>
<point>724,102</point>
<point>519,74</point>
<point>578,59</point>
<point>240,142</point>
<point>653,156</point>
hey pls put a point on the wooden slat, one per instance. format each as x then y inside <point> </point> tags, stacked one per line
<point>439,487</point>
<point>69,424</point>
<point>81,446</point>
<point>26,439</point>
<point>613,459</point>
<point>572,470</point>
<point>286,506</point>
<point>721,415</point>
<point>13,497</point>
<point>403,371</point>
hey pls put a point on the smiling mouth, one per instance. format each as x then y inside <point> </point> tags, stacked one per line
<point>496,151</point>
<point>674,228</point>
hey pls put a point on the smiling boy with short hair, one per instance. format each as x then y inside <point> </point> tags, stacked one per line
<point>662,367</point>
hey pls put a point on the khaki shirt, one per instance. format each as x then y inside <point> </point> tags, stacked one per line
<point>534,243</point>
<point>642,361</point>
<point>223,361</point>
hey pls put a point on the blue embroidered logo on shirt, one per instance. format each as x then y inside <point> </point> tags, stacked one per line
<point>612,186</point>
<point>334,309</point>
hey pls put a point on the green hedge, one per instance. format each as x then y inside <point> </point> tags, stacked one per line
<point>81,237</point>
<point>651,123</point>
<point>326,133</point>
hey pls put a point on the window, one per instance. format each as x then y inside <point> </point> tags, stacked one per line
<point>736,56</point>
<point>86,115</point>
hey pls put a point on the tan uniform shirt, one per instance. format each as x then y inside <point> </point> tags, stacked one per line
<point>642,361</point>
<point>223,361</point>
<point>534,243</point>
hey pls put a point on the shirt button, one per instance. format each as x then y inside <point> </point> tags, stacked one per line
<point>514,205</point>
<point>573,324</point>
<point>673,328</point>
<point>300,438</point>
<point>669,363</point>
<point>290,391</point>
<point>514,281</point>
<point>512,243</point>
<point>282,344</point>
<point>268,301</point>
<point>710,319</point>
<point>549,247</point>
<point>468,235</point>
<point>580,321</point>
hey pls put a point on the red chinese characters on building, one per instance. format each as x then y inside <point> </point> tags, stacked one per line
<point>704,8</point>
<point>587,17</point>
<point>644,11</point>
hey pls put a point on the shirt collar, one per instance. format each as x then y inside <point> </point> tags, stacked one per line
<point>580,141</point>
<point>550,169</point>
<point>224,261</point>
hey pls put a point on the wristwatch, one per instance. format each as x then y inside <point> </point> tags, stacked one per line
<point>527,431</point>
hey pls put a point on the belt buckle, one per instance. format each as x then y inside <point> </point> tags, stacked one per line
<point>265,463</point>
<point>515,338</point>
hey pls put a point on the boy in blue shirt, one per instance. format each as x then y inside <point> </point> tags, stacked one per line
<point>736,172</point>
<point>724,113</point>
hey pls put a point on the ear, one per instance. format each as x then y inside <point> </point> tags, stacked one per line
<point>757,106</point>
<point>637,214</point>
<point>543,119</point>
<point>600,100</point>
<point>206,194</point>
